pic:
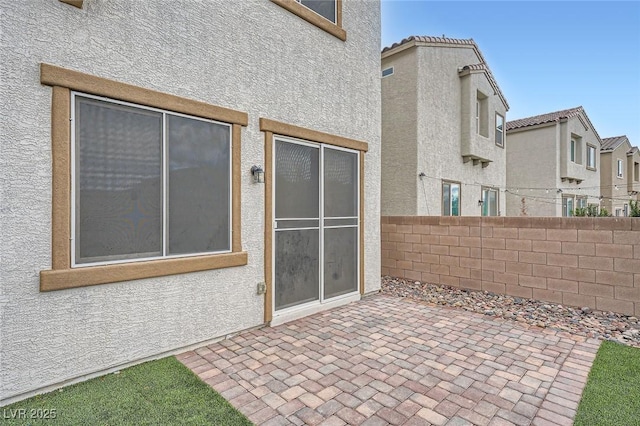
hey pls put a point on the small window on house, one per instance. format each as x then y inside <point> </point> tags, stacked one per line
<point>387,72</point>
<point>618,212</point>
<point>591,156</point>
<point>489,202</point>
<point>450,199</point>
<point>625,210</point>
<point>324,14</point>
<point>573,150</point>
<point>482,127</point>
<point>148,183</point>
<point>567,206</point>
<point>499,130</point>
<point>324,8</point>
<point>636,172</point>
<point>620,170</point>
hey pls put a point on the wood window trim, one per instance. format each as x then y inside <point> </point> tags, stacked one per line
<point>62,276</point>
<point>76,3</point>
<point>310,16</point>
<point>271,128</point>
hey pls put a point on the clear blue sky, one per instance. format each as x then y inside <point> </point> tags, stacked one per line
<point>546,56</point>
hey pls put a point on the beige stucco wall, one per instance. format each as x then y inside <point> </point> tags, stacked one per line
<point>614,199</point>
<point>532,158</point>
<point>252,56</point>
<point>539,157</point>
<point>439,138</point>
<point>399,116</point>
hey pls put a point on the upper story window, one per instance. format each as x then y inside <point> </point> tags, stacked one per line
<point>324,14</point>
<point>575,149</point>
<point>591,157</point>
<point>324,8</point>
<point>620,170</point>
<point>499,130</point>
<point>482,102</point>
<point>450,199</point>
<point>636,172</point>
<point>387,72</point>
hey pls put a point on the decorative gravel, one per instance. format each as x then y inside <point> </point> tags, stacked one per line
<point>578,321</point>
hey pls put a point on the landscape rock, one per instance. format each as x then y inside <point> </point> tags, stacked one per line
<point>581,321</point>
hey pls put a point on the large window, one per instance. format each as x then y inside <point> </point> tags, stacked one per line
<point>591,156</point>
<point>489,202</point>
<point>499,130</point>
<point>620,169</point>
<point>450,199</point>
<point>325,14</point>
<point>144,183</point>
<point>148,183</point>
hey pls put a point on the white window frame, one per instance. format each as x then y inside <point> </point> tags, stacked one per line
<point>500,117</point>
<point>620,169</point>
<point>477,116</point>
<point>568,205</point>
<point>451,183</point>
<point>485,193</point>
<point>573,149</point>
<point>387,72</point>
<point>591,159</point>
<point>164,197</point>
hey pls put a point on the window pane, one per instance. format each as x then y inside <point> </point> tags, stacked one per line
<point>199,185</point>
<point>573,150</point>
<point>118,181</point>
<point>326,8</point>
<point>499,128</point>
<point>493,203</point>
<point>340,183</point>
<point>340,261</point>
<point>455,200</point>
<point>446,200</point>
<point>296,267</point>
<point>297,182</point>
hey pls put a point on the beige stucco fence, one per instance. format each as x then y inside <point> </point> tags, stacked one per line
<point>593,262</point>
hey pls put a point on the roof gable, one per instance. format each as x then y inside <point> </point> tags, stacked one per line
<point>610,144</point>
<point>451,42</point>
<point>553,117</point>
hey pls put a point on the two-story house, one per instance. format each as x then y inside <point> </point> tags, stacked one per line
<point>619,174</point>
<point>164,164</point>
<point>443,137</point>
<point>553,164</point>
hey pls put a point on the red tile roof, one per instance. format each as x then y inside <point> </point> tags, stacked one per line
<point>550,118</point>
<point>609,144</point>
<point>482,66</point>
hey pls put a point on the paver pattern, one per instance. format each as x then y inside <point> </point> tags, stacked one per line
<point>386,360</point>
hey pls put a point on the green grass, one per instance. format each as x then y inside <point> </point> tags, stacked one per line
<point>154,393</point>
<point>612,393</point>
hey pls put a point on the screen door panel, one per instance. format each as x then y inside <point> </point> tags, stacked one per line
<point>297,224</point>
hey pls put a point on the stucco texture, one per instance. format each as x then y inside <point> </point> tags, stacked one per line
<point>250,56</point>
<point>427,128</point>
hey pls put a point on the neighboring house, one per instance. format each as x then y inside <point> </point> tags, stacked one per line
<point>552,164</point>
<point>443,141</point>
<point>619,174</point>
<point>132,227</point>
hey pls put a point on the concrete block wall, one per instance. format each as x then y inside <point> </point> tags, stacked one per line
<point>592,262</point>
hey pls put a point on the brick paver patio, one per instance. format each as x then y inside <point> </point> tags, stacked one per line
<point>387,360</point>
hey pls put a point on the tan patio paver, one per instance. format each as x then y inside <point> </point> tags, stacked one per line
<point>386,360</point>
